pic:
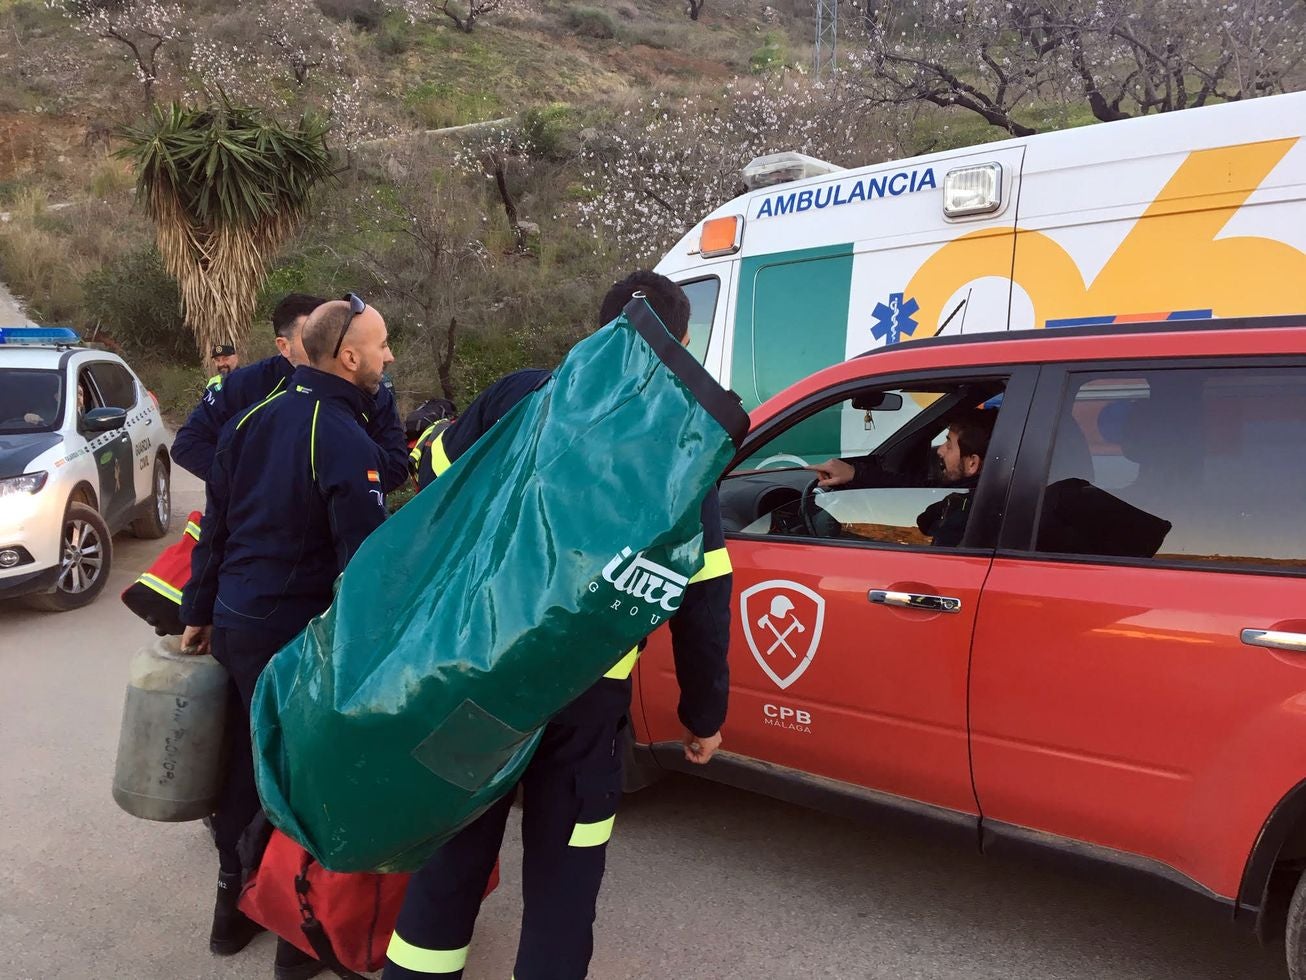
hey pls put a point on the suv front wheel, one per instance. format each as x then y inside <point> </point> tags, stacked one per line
<point>85,556</point>
<point>1295,939</point>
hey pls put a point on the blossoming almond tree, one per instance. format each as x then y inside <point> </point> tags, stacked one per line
<point>1120,58</point>
<point>142,27</point>
<point>653,174</point>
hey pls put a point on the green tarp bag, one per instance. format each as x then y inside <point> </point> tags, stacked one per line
<point>564,536</point>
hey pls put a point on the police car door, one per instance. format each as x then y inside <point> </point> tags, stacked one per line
<point>114,387</point>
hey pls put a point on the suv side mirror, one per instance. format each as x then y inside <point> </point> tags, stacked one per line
<point>104,419</point>
<point>878,401</point>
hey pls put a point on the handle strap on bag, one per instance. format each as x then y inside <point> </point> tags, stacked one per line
<point>313,930</point>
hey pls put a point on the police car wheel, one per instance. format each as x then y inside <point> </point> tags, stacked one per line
<point>157,511</point>
<point>86,555</point>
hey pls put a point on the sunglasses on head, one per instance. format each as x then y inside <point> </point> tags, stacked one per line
<point>356,306</point>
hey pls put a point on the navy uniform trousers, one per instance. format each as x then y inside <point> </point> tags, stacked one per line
<point>244,653</point>
<point>569,802</point>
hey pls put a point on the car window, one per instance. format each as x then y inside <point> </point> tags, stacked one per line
<point>1185,465</point>
<point>884,474</point>
<point>702,311</point>
<point>115,383</point>
<point>30,400</point>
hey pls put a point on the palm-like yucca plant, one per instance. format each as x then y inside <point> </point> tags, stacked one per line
<point>225,186</point>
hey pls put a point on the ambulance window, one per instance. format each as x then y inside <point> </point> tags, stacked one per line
<point>799,314</point>
<point>702,295</point>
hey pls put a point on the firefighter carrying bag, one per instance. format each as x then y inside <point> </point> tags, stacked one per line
<point>156,595</point>
<point>558,541</point>
<point>343,920</point>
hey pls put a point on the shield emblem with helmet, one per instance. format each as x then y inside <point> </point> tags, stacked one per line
<point>782,623</point>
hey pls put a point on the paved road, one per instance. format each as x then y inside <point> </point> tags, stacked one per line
<point>705,883</point>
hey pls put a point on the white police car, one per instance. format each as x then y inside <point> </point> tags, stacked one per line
<point>83,454</point>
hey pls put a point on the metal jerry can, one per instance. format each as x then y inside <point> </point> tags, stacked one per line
<point>170,764</point>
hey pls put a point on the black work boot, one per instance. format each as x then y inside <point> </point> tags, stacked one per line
<point>232,929</point>
<point>291,964</point>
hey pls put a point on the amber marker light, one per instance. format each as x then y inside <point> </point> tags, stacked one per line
<point>721,236</point>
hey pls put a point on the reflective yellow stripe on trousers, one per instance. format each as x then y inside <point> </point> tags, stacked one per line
<point>400,952</point>
<point>592,834</point>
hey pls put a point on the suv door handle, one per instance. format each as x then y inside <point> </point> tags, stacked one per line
<point>914,600</point>
<point>1275,640</point>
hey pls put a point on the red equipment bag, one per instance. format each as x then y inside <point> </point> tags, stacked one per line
<point>156,595</point>
<point>343,919</point>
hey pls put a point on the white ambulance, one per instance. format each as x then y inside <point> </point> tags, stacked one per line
<point>1182,215</point>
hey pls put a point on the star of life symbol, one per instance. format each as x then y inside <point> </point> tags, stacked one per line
<point>782,624</point>
<point>645,580</point>
<point>894,319</point>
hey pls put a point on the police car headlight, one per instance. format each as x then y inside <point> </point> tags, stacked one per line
<point>18,486</point>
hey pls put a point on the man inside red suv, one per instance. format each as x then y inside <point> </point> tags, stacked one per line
<point>961,458</point>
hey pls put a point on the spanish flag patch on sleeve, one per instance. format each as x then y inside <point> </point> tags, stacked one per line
<point>373,476</point>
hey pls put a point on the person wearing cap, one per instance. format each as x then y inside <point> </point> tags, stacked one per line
<point>224,360</point>
<point>572,784</point>
<point>294,489</point>
<point>195,443</point>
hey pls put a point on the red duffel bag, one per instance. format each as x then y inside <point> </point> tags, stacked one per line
<point>156,595</point>
<point>345,920</point>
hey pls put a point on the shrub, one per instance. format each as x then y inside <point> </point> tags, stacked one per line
<point>138,304</point>
<point>770,56</point>
<point>591,22</point>
<point>545,131</point>
<point>39,266</point>
<point>367,15</point>
<point>177,386</point>
<point>393,40</point>
<point>111,179</point>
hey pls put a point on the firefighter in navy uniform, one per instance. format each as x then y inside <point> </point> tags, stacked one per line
<point>245,387</point>
<point>572,784</point>
<point>294,489</point>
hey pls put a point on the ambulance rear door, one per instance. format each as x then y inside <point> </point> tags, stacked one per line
<point>801,310</point>
<point>829,268</point>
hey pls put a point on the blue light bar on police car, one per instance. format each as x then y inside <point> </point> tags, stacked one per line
<point>38,336</point>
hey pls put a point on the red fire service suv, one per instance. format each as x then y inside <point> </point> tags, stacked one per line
<point>1045,587</point>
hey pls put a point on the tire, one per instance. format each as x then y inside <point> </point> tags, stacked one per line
<point>86,555</point>
<point>1295,938</point>
<point>155,521</point>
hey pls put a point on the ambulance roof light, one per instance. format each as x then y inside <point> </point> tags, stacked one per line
<point>38,336</point>
<point>781,168</point>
